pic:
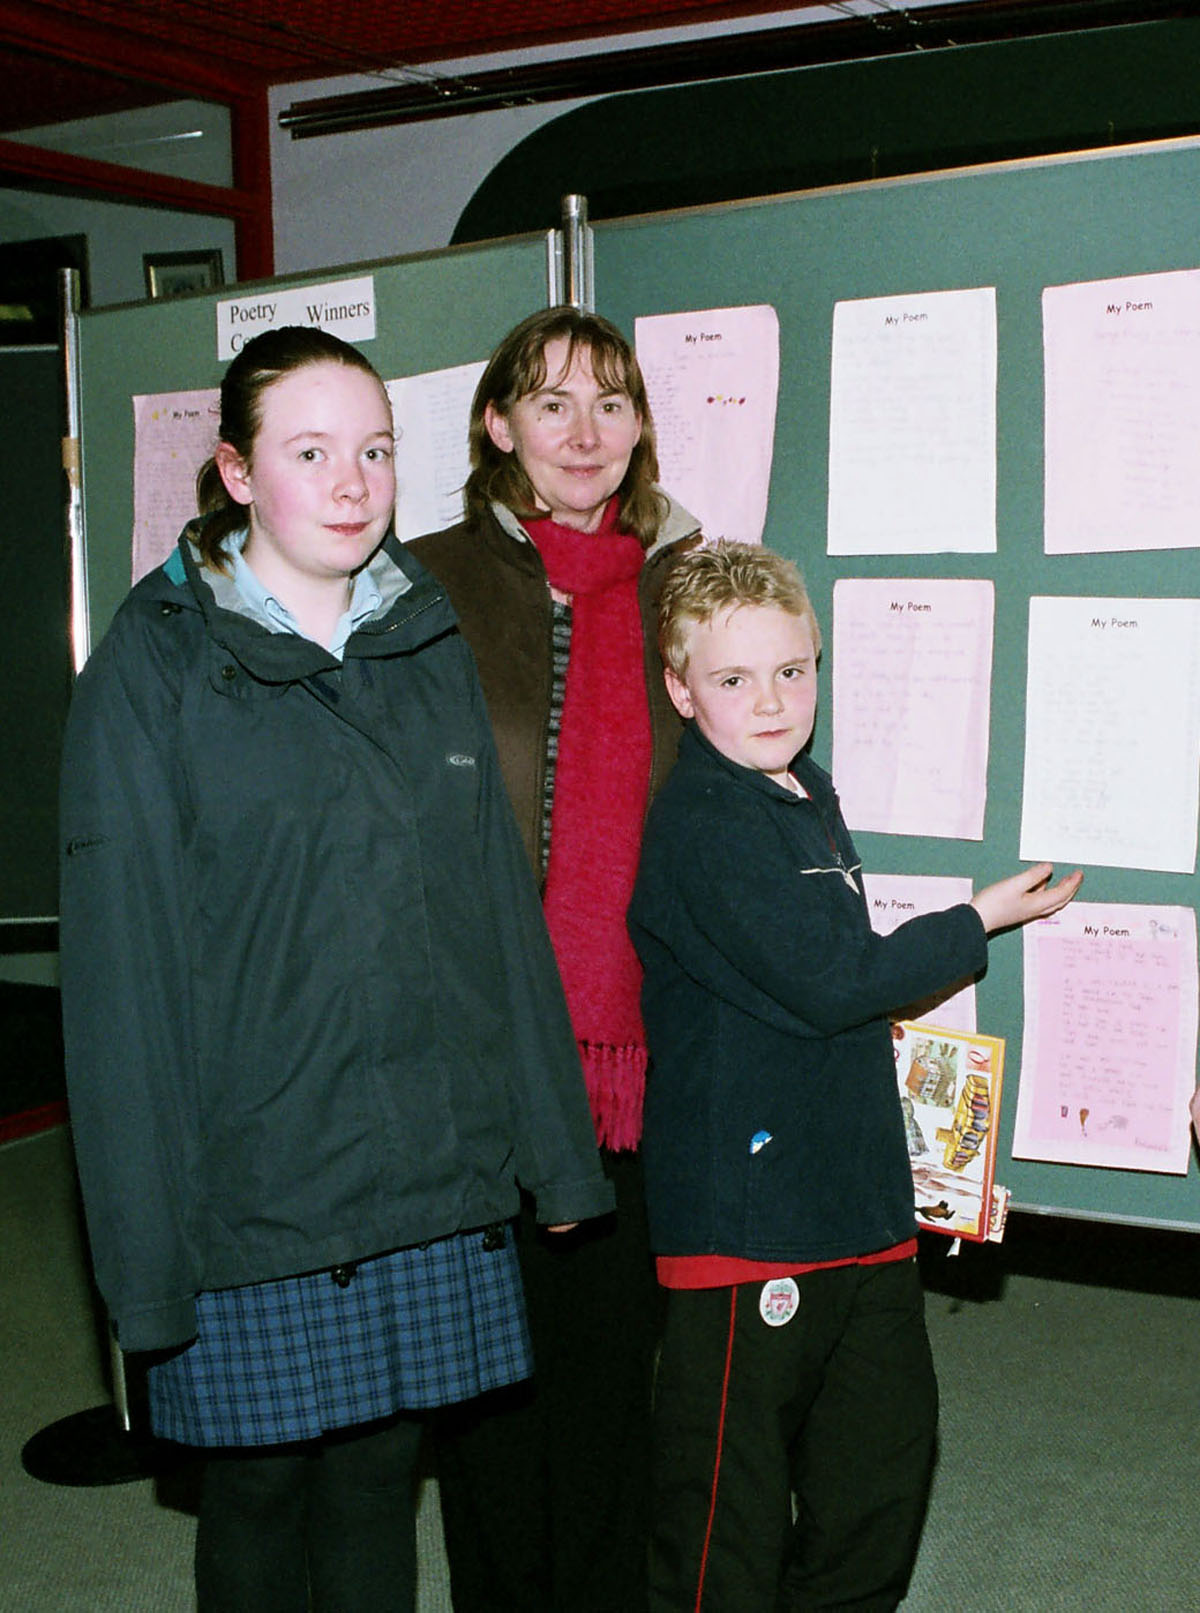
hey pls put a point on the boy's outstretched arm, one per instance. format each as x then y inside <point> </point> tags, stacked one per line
<point>1024,896</point>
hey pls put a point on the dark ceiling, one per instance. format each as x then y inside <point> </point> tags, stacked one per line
<point>64,59</point>
<point>278,41</point>
<point>60,61</point>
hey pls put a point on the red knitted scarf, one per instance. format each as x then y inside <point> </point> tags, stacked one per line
<point>601,783</point>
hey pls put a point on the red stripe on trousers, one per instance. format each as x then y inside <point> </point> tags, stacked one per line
<point>712,1500</point>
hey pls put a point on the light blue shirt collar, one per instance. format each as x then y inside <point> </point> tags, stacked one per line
<point>265,607</point>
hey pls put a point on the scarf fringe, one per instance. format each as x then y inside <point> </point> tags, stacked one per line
<point>616,1088</point>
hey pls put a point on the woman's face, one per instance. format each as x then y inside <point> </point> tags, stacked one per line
<point>573,437</point>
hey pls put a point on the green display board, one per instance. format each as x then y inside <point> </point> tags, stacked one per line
<point>1015,227</point>
<point>1018,228</point>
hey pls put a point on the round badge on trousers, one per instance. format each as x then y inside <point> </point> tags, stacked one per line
<point>779,1301</point>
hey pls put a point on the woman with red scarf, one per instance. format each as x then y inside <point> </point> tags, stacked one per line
<point>555,575</point>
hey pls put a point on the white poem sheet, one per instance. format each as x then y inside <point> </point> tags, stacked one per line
<point>431,414</point>
<point>1112,732</point>
<point>893,899</point>
<point>912,424</point>
<point>1122,379</point>
<point>912,665</point>
<point>173,434</point>
<point>1108,1059</point>
<point>713,380</point>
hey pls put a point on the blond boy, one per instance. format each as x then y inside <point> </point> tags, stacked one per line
<point>795,1367</point>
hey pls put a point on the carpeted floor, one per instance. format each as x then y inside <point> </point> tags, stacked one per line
<point>1069,1361</point>
<point>1069,1364</point>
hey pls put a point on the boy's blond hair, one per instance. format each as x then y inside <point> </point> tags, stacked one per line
<point>717,577</point>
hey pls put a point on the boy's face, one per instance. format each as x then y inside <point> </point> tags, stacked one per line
<point>751,685</point>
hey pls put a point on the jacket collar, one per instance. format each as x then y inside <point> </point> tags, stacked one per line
<point>676,523</point>
<point>696,750</point>
<point>414,609</point>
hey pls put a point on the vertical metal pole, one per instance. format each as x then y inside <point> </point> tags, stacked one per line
<point>120,1387</point>
<point>554,268</point>
<point>72,463</point>
<point>577,254</point>
<point>81,623</point>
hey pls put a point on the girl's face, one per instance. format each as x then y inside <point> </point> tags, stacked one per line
<point>321,484</point>
<point>573,438</point>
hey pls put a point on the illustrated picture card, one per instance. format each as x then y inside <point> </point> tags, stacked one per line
<point>950,1084</point>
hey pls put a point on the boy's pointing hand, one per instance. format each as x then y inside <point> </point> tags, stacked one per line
<point>1024,896</point>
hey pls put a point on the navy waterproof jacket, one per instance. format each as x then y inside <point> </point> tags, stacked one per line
<point>311,1009</point>
<point>773,1126</point>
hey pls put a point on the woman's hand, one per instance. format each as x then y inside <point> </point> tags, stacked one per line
<point>1024,896</point>
<point>565,1226</point>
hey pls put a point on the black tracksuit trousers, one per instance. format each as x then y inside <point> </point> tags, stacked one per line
<point>829,1418</point>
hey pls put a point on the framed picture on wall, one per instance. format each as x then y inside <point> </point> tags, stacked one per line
<point>171,274</point>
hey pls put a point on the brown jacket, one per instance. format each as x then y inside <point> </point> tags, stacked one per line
<point>497,585</point>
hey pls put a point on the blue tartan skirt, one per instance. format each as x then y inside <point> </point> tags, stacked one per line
<point>293,1359</point>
